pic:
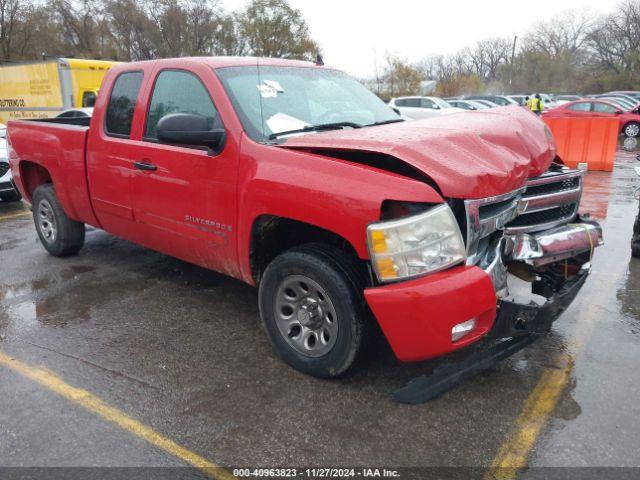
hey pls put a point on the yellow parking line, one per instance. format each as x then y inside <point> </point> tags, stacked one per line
<point>90,402</point>
<point>514,453</point>
<point>16,215</point>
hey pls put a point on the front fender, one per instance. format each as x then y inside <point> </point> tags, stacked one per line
<point>336,195</point>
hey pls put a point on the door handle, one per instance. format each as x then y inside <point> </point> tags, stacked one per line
<point>145,165</point>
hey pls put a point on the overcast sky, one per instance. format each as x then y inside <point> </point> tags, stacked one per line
<point>349,31</point>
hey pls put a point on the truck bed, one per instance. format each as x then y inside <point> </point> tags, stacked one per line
<point>55,147</point>
<point>78,122</point>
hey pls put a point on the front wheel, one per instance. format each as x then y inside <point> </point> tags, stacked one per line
<point>631,129</point>
<point>60,235</point>
<point>312,307</point>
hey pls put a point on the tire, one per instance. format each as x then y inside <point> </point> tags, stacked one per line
<point>331,309</point>
<point>635,250</point>
<point>10,196</point>
<point>631,129</point>
<point>59,235</point>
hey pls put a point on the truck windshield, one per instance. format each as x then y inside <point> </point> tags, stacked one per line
<point>272,101</point>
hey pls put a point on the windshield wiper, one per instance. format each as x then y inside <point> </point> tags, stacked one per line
<point>316,128</point>
<point>385,122</point>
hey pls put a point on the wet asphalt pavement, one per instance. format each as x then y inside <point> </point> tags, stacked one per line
<point>181,350</point>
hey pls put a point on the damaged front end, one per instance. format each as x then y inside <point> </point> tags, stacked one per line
<point>535,248</point>
<point>537,252</point>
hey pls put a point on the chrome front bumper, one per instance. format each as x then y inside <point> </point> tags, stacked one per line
<point>538,249</point>
<point>556,244</point>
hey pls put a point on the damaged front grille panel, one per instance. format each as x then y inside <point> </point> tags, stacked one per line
<point>486,216</point>
<point>547,201</point>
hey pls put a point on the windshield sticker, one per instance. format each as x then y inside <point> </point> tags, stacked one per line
<point>281,122</point>
<point>275,84</point>
<point>270,88</point>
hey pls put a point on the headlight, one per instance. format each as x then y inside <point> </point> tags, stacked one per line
<point>412,246</point>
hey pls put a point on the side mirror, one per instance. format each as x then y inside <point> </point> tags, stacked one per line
<point>190,129</point>
<point>397,110</point>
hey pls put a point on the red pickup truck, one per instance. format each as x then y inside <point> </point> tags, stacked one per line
<point>293,177</point>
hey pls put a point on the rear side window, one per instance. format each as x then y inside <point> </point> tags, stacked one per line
<point>177,91</point>
<point>412,102</point>
<point>122,104</point>
<point>603,108</point>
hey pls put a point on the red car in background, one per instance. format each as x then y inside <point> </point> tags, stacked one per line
<point>629,119</point>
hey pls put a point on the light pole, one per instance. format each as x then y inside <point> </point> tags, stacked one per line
<point>513,54</point>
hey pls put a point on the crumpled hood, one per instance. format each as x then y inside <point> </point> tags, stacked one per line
<point>468,155</point>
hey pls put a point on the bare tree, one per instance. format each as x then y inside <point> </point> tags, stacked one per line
<point>565,33</point>
<point>77,22</point>
<point>10,16</point>
<point>488,56</point>
<point>272,28</point>
<point>615,40</point>
<point>135,34</point>
<point>401,77</point>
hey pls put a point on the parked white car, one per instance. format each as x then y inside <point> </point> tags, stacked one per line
<point>8,192</point>
<point>416,108</point>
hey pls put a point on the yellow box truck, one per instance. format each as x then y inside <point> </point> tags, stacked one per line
<point>44,89</point>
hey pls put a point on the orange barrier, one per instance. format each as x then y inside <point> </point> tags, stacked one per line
<point>586,140</point>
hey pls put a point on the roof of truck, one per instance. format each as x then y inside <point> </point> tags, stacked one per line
<point>220,62</point>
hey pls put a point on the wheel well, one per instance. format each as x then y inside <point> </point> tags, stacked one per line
<point>271,235</point>
<point>33,175</point>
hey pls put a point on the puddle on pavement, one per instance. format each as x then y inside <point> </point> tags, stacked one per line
<point>628,296</point>
<point>57,300</point>
<point>568,408</point>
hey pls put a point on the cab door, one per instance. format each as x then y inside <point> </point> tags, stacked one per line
<point>109,162</point>
<point>184,197</point>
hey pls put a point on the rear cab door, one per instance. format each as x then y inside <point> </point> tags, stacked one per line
<point>110,150</point>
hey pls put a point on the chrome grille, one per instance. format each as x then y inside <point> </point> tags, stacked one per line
<point>4,168</point>
<point>486,216</point>
<point>548,201</point>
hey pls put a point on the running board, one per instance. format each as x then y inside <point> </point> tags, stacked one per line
<point>427,387</point>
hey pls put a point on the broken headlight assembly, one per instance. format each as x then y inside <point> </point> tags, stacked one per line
<point>415,245</point>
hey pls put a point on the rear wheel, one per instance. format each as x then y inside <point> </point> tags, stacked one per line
<point>312,308</point>
<point>631,129</point>
<point>60,235</point>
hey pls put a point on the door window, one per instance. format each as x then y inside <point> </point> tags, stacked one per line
<point>122,104</point>
<point>178,91</point>
<point>580,107</point>
<point>412,102</point>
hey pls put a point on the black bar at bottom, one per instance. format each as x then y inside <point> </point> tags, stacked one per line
<point>427,387</point>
